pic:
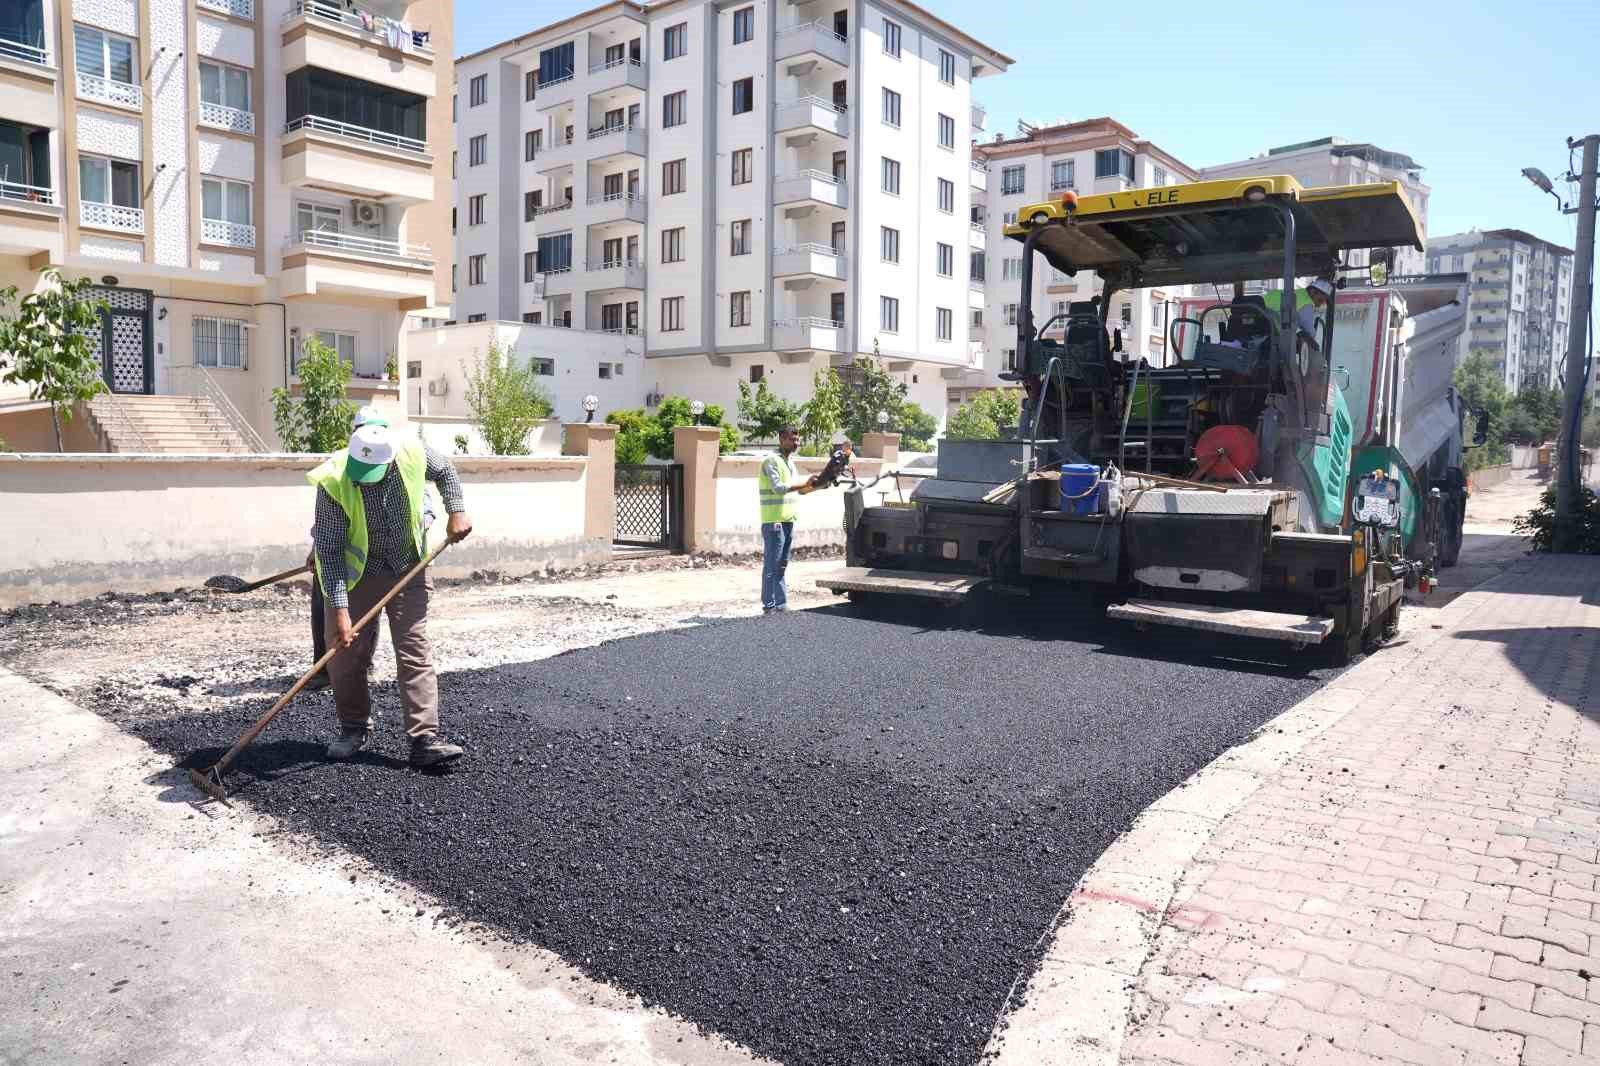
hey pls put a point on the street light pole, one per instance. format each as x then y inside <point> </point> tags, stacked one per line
<point>1567,480</point>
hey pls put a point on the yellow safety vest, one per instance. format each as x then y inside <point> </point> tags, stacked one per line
<point>777,502</point>
<point>329,476</point>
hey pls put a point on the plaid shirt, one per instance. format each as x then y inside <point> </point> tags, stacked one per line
<point>390,547</point>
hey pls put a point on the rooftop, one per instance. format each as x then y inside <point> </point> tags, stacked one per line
<point>1091,130</point>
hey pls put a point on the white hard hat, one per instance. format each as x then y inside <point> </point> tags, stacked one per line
<point>370,453</point>
<point>1320,285</point>
<point>369,415</point>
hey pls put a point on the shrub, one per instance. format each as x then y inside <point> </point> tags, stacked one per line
<point>1540,523</point>
<point>319,419</point>
<point>981,417</point>
<point>506,401</point>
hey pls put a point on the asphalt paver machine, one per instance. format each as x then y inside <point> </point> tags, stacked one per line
<point>1213,490</point>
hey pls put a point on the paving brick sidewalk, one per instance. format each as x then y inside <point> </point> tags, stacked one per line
<point>1420,883</point>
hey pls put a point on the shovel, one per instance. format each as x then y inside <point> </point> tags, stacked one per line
<point>230,583</point>
<point>210,781</point>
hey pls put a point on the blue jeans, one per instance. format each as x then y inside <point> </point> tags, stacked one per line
<point>777,540</point>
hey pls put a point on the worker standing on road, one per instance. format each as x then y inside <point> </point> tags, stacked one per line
<point>368,532</point>
<point>778,482</point>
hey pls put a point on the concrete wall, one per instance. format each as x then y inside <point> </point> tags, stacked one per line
<point>820,518</point>
<point>181,519</point>
<point>1488,477</point>
<point>439,432</point>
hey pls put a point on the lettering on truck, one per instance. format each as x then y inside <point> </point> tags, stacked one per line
<point>1147,198</point>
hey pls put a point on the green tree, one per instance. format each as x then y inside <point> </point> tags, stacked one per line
<point>642,434</point>
<point>763,412</point>
<point>917,428</point>
<point>319,419</point>
<point>822,415</point>
<point>874,390</point>
<point>505,400</point>
<point>45,344</point>
<point>1482,388</point>
<point>981,417</point>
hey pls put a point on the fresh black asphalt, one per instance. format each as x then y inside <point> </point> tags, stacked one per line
<point>833,838</point>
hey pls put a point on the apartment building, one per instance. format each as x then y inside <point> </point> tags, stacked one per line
<point>1336,161</point>
<point>1519,301</point>
<point>756,189</point>
<point>238,176</point>
<point>1096,155</point>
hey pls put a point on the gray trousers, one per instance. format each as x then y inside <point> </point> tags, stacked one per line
<point>413,657</point>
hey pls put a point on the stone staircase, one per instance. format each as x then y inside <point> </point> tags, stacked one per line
<point>174,424</point>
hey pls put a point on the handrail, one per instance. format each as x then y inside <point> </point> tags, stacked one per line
<point>24,51</point>
<point>380,138</point>
<point>818,27</point>
<point>808,322</point>
<point>610,197</point>
<point>614,264</point>
<point>812,175</point>
<point>598,68</point>
<point>597,132</point>
<point>38,194</point>
<point>210,390</point>
<point>354,242</point>
<point>813,100</point>
<point>351,19</point>
<point>126,419</point>
<point>810,247</point>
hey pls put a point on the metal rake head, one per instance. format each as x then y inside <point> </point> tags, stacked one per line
<point>210,782</point>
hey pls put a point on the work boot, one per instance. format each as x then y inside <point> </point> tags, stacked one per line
<point>318,682</point>
<point>431,751</point>
<point>350,741</point>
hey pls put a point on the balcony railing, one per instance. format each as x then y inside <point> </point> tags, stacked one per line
<point>610,131</point>
<point>809,248</point>
<point>613,64</point>
<point>815,37</point>
<point>244,9</point>
<point>123,93</point>
<point>615,197</point>
<point>111,216</point>
<point>565,205</point>
<point>233,234</point>
<point>28,53</point>
<point>33,194</point>
<point>632,270</point>
<point>356,133</point>
<point>380,27</point>
<point>223,117</point>
<point>362,245</point>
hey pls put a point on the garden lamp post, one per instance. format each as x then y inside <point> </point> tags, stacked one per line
<point>697,408</point>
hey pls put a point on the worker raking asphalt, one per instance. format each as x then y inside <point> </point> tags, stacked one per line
<point>832,838</point>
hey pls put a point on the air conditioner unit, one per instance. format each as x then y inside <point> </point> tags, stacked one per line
<point>439,386</point>
<point>366,213</point>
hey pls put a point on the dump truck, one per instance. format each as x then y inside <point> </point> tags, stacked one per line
<point>1233,490</point>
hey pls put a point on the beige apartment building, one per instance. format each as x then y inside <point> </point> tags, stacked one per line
<point>238,176</point>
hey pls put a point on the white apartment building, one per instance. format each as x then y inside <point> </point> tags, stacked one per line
<point>1336,161</point>
<point>1093,156</point>
<point>1519,301</point>
<point>237,176</point>
<point>757,189</point>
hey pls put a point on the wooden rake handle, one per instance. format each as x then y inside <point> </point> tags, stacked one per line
<point>316,668</point>
<point>275,578</point>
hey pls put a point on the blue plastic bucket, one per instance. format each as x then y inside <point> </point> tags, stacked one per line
<point>1080,488</point>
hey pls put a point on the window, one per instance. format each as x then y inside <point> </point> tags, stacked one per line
<point>318,217</point>
<point>531,202</point>
<point>1011,269</point>
<point>604,369</point>
<point>1113,162</point>
<point>891,176</point>
<point>1006,217</point>
<point>891,107</point>
<point>530,83</point>
<point>478,150</point>
<point>531,143</point>
<point>740,237</point>
<point>312,91</point>
<point>675,42</point>
<point>672,245</point>
<point>225,201</point>
<point>671,314</point>
<point>889,244</point>
<point>108,181</point>
<point>943,324</point>
<point>225,86</point>
<point>739,309</point>
<point>947,67</point>
<point>1159,176</point>
<point>530,265</point>
<point>976,267</point>
<point>219,342</point>
<point>947,132</point>
<point>475,209</point>
<point>1011,314</point>
<point>741,166</point>
<point>891,38</point>
<point>555,254</point>
<point>673,109</point>
<point>744,25</point>
<point>977,318</point>
<point>477,318</point>
<point>757,372</point>
<point>543,368</point>
<point>475,269</point>
<point>744,94</point>
<point>455,107</point>
<point>342,343</point>
<point>944,260</point>
<point>1126,314</point>
<point>889,314</point>
<point>1013,180</point>
<point>104,55</point>
<point>947,196</point>
<point>672,177</point>
<point>1061,176</point>
<point>479,90</point>
<point>557,64</point>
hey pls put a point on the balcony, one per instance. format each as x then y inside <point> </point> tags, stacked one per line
<point>977,239</point>
<point>612,142</point>
<point>30,220</point>
<point>28,84</point>
<point>810,42</point>
<point>808,335</point>
<point>978,176</point>
<point>615,274</point>
<point>621,73</point>
<point>803,192</point>
<point>323,261</point>
<point>557,155</point>
<point>222,117</point>
<point>227,234</point>
<point>810,261</point>
<point>557,92</point>
<point>980,115</point>
<point>551,283</point>
<point>544,213</point>
<point>113,217</point>
<point>801,120</point>
<point>1112,183</point>
<point>356,160</point>
<point>616,207</point>
<point>358,43</point>
<point>239,9</point>
<point>105,91</point>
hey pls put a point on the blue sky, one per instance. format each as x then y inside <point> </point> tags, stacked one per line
<point>1432,79</point>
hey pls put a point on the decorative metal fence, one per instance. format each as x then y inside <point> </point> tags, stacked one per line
<point>650,506</point>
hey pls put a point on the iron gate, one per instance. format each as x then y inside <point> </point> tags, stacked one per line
<point>123,342</point>
<point>650,505</point>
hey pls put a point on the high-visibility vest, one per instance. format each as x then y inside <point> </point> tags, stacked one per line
<point>329,476</point>
<point>777,502</point>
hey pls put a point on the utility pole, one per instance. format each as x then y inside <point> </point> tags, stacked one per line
<point>1567,479</point>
